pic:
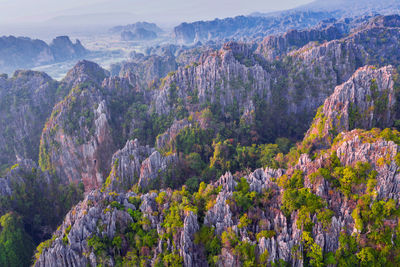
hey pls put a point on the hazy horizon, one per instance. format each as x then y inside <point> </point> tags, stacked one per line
<point>168,12</point>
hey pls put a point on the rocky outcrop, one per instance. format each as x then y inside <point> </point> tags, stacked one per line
<point>145,72</point>
<point>25,53</point>
<point>277,233</point>
<point>261,179</point>
<point>153,167</point>
<point>127,164</point>
<point>164,140</point>
<point>342,57</point>
<point>353,149</point>
<point>217,71</point>
<point>220,215</point>
<point>98,218</point>
<point>63,49</point>
<point>365,101</point>
<point>189,251</point>
<point>76,141</point>
<point>15,176</point>
<point>87,219</point>
<point>297,215</point>
<point>137,164</point>
<point>274,46</point>
<point>26,101</point>
<point>301,80</point>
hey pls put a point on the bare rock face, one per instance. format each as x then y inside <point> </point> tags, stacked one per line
<point>76,141</point>
<point>274,46</point>
<point>146,71</point>
<point>220,215</point>
<point>137,164</point>
<point>127,164</point>
<point>218,71</point>
<point>14,176</point>
<point>365,101</point>
<point>153,166</point>
<point>97,217</point>
<point>88,218</point>
<point>354,149</point>
<point>261,179</point>
<point>26,100</point>
<point>190,252</point>
<point>164,140</point>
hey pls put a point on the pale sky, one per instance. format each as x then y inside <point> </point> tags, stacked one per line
<point>23,11</point>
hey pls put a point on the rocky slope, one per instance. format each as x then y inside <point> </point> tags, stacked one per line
<point>274,46</point>
<point>26,101</point>
<point>321,67</point>
<point>137,164</point>
<point>260,25</point>
<point>25,53</point>
<point>245,27</point>
<point>206,117</point>
<point>369,99</point>
<point>63,49</point>
<point>89,229</point>
<point>333,201</point>
<point>76,141</point>
<point>234,86</point>
<point>37,196</point>
<point>146,71</point>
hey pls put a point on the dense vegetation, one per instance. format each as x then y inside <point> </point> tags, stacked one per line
<point>32,213</point>
<point>225,134</point>
<point>375,242</point>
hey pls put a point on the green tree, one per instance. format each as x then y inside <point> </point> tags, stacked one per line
<point>16,245</point>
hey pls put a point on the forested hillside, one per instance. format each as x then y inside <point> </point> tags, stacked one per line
<point>279,152</point>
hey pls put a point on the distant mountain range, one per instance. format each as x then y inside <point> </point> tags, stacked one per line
<point>263,24</point>
<point>344,8</point>
<point>24,53</point>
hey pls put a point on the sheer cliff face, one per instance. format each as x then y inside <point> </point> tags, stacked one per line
<point>26,100</point>
<point>368,99</point>
<point>76,140</point>
<point>219,78</point>
<point>275,46</point>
